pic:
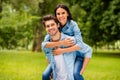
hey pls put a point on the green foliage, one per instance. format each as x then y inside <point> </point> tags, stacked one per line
<point>98,20</point>
<point>16,27</point>
<point>110,23</point>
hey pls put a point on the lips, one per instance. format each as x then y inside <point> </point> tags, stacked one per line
<point>61,19</point>
<point>51,30</point>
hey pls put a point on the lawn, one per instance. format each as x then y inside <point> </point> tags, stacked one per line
<point>27,65</point>
<point>21,65</point>
<point>104,66</point>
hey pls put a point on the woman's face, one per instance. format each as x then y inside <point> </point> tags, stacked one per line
<point>61,15</point>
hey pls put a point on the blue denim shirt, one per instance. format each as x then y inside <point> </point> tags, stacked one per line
<point>69,58</point>
<point>71,28</point>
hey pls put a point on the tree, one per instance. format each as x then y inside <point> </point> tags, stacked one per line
<point>99,21</point>
<point>18,24</point>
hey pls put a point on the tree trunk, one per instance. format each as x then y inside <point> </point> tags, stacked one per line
<point>39,39</point>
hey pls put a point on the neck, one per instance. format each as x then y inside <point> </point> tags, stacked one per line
<point>56,37</point>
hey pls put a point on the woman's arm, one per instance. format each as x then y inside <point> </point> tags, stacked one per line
<point>47,44</point>
<point>64,50</point>
<point>77,35</point>
<point>65,42</point>
<point>53,44</point>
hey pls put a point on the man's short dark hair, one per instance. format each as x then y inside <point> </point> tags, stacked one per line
<point>49,17</point>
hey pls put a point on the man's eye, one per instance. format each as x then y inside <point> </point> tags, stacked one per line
<point>63,12</point>
<point>47,26</point>
<point>52,24</point>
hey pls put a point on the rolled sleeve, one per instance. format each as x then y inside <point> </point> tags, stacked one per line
<point>88,54</point>
<point>43,44</point>
<point>87,51</point>
<point>46,40</point>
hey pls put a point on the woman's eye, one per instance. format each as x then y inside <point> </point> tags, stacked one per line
<point>58,13</point>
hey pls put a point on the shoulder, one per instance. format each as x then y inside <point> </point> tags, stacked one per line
<point>72,22</point>
<point>66,36</point>
<point>47,37</point>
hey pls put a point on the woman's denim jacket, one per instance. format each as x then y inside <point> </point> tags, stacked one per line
<point>69,58</point>
<point>71,28</point>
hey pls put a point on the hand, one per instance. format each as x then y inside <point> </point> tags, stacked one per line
<point>81,72</point>
<point>68,42</point>
<point>58,51</point>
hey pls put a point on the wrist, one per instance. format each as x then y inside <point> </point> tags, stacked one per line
<point>61,43</point>
<point>64,50</point>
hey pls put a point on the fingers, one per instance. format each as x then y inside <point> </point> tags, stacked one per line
<point>71,43</point>
<point>54,53</point>
<point>57,51</point>
<point>70,40</point>
<point>81,72</point>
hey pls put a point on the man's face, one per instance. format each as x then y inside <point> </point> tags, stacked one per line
<point>51,27</point>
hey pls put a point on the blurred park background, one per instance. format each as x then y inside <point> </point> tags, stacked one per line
<point>21,34</point>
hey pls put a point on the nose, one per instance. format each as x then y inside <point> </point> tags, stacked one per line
<point>50,27</point>
<point>60,15</point>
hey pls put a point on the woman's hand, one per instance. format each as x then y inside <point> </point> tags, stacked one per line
<point>68,42</point>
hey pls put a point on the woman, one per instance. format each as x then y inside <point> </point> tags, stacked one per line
<point>70,27</point>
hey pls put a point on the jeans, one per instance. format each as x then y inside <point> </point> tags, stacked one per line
<point>47,73</point>
<point>77,68</point>
<point>78,65</point>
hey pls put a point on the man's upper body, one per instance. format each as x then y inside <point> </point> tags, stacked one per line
<point>68,57</point>
<point>62,64</point>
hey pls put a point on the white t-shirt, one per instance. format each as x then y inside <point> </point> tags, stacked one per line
<point>60,69</point>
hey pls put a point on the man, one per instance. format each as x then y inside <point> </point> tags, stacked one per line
<point>62,65</point>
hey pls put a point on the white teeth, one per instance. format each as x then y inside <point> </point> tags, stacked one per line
<point>51,30</point>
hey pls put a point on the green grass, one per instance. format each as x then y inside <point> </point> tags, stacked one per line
<point>18,65</point>
<point>103,66</point>
<point>26,65</point>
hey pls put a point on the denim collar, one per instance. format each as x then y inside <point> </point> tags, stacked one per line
<point>61,37</point>
<point>66,26</point>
